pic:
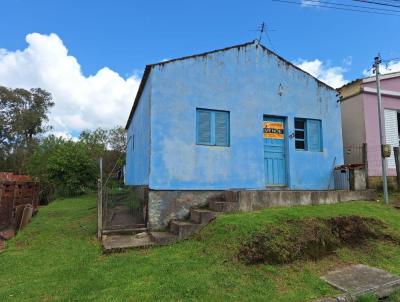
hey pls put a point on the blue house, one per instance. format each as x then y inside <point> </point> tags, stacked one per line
<point>238,118</point>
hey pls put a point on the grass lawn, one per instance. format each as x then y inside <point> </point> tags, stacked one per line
<point>58,258</point>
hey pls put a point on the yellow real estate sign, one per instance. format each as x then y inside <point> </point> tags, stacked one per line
<point>273,130</point>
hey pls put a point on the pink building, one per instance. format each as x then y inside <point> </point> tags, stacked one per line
<point>360,122</point>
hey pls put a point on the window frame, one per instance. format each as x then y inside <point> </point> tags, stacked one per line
<point>306,134</point>
<point>213,133</point>
<point>304,130</point>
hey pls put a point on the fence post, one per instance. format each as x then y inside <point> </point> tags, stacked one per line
<point>100,201</point>
<point>365,162</point>
<point>397,160</point>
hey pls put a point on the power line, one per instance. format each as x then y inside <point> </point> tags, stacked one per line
<point>270,41</point>
<point>263,29</point>
<point>338,8</point>
<point>391,60</point>
<point>350,5</point>
<point>391,1</point>
<point>377,3</point>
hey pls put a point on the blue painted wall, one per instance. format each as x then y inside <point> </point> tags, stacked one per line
<point>245,82</point>
<point>138,146</point>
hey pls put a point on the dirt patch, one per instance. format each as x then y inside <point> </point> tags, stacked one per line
<point>311,238</point>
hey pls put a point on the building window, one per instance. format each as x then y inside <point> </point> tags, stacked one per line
<point>300,133</point>
<point>308,134</point>
<point>133,142</point>
<point>212,127</point>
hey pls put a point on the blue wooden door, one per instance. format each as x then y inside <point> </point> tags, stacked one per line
<point>274,151</point>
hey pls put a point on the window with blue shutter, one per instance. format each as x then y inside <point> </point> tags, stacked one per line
<point>221,128</point>
<point>314,140</point>
<point>308,134</point>
<point>204,127</point>
<point>212,127</point>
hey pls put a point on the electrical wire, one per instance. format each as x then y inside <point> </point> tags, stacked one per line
<point>377,3</point>
<point>350,5</point>
<point>376,11</point>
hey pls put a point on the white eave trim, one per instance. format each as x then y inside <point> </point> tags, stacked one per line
<point>383,77</point>
<point>384,92</point>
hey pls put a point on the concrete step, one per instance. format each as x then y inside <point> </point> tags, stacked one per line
<point>202,216</point>
<point>163,238</point>
<point>223,206</point>
<point>120,243</point>
<point>126,231</point>
<point>183,229</point>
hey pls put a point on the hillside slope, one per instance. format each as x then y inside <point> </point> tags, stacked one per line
<point>58,258</point>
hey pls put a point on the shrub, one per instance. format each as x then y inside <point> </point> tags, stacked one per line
<point>71,169</point>
<point>63,167</point>
<point>310,238</point>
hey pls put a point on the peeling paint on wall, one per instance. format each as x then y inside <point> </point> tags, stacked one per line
<point>243,81</point>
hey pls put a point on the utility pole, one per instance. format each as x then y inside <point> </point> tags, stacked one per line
<point>378,93</point>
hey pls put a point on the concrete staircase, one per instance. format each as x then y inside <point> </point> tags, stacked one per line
<point>178,229</point>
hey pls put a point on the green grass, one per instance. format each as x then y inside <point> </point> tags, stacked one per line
<point>58,258</point>
<point>394,297</point>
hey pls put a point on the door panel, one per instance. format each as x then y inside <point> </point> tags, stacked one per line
<point>274,151</point>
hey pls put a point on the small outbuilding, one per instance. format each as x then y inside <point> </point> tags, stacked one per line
<point>238,118</point>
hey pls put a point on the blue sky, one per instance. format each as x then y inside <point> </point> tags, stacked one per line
<point>124,36</point>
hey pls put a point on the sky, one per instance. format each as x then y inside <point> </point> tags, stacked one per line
<point>91,54</point>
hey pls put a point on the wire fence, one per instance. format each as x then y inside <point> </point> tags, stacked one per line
<point>119,207</point>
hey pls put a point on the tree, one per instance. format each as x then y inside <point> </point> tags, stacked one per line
<point>23,117</point>
<point>101,140</point>
<point>71,169</point>
<point>117,139</point>
<point>108,144</point>
<point>63,167</point>
<point>96,141</point>
<point>67,167</point>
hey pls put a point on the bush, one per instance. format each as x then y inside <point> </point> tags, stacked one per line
<point>63,167</point>
<point>71,169</point>
<point>310,238</point>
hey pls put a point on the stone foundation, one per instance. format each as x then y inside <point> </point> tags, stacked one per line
<point>142,194</point>
<point>164,206</point>
<point>375,182</point>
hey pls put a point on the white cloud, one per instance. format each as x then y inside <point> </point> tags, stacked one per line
<point>64,135</point>
<point>392,66</point>
<point>310,3</point>
<point>331,75</point>
<point>100,100</point>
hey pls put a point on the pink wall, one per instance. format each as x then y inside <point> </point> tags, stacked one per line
<point>371,122</point>
<point>387,84</point>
